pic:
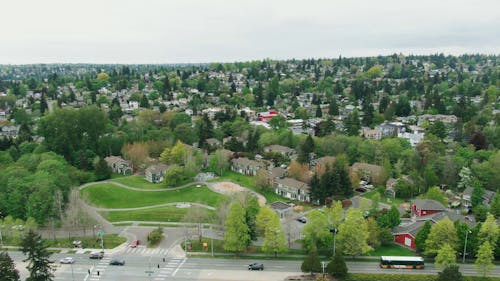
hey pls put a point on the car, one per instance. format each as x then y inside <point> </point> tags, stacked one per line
<point>302,220</point>
<point>135,243</point>
<point>117,262</point>
<point>67,260</point>
<point>256,266</point>
<point>96,255</point>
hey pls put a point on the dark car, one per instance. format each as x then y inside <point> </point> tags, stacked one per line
<point>256,266</point>
<point>302,220</point>
<point>96,255</point>
<point>117,262</point>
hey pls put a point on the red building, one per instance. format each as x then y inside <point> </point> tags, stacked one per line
<point>424,207</point>
<point>405,234</point>
<point>266,116</point>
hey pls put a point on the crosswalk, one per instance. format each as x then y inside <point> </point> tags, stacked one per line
<point>170,268</point>
<point>99,269</point>
<point>142,250</point>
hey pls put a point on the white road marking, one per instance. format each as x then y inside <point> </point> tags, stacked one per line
<point>183,261</point>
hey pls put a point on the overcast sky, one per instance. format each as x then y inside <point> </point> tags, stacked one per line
<point>183,31</point>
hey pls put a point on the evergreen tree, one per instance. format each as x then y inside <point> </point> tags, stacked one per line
<point>319,113</point>
<point>305,149</point>
<point>352,124</point>
<point>273,91</point>
<point>337,267</point>
<point>7,268</point>
<point>333,107</point>
<point>39,264</point>
<point>312,263</point>
<point>384,102</point>
<point>368,112</point>
<point>144,102</point>
<point>258,93</point>
<point>102,170</point>
<point>422,235</point>
<point>251,211</point>
<point>450,273</point>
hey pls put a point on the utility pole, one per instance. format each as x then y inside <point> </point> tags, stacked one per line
<point>465,245</point>
<point>212,240</point>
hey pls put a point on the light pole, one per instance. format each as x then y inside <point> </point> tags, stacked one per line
<point>465,245</point>
<point>334,231</point>
<point>212,240</point>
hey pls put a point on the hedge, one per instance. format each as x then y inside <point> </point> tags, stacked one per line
<point>407,277</point>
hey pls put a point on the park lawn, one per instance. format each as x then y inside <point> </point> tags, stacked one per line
<point>249,182</point>
<point>107,195</point>
<point>395,201</point>
<point>391,250</point>
<point>138,182</point>
<point>110,241</point>
<point>160,214</point>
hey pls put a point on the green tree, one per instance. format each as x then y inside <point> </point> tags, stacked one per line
<point>305,149</point>
<point>337,267</point>
<point>334,214</point>
<point>274,237</point>
<point>489,231</point>
<point>312,263</point>
<point>352,125</point>
<point>441,233</point>
<point>495,205</point>
<point>8,268</point>
<point>446,256</point>
<point>38,258</point>
<point>317,232</point>
<point>236,237</point>
<point>422,235</point>
<point>484,260</point>
<point>102,170</point>
<point>438,129</point>
<point>450,273</point>
<point>251,210</point>
<point>374,233</point>
<point>273,91</point>
<point>434,193</point>
<point>353,234</point>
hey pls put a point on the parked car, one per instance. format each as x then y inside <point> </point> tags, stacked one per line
<point>302,220</point>
<point>96,255</point>
<point>135,243</point>
<point>67,260</point>
<point>256,266</point>
<point>117,262</point>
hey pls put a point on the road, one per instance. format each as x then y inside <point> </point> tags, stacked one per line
<point>141,262</point>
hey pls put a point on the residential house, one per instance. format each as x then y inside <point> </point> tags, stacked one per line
<point>283,150</point>
<point>10,131</point>
<point>405,233</point>
<point>424,207</point>
<point>391,129</point>
<point>372,134</point>
<point>155,173</point>
<point>246,166</point>
<point>267,115</point>
<point>213,143</point>
<point>119,165</point>
<point>292,189</point>
<point>467,195</point>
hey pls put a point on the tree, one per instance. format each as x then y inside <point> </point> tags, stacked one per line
<point>434,193</point>
<point>477,194</point>
<point>236,237</point>
<point>334,214</point>
<point>251,211</point>
<point>446,256</point>
<point>438,129</point>
<point>352,124</point>
<point>441,233</point>
<point>317,232</point>
<point>261,180</point>
<point>374,233</point>
<point>484,261</point>
<point>422,235</point>
<point>489,231</point>
<point>102,170</point>
<point>305,149</point>
<point>274,238</point>
<point>39,264</point>
<point>353,234</point>
<point>312,263</point>
<point>390,219</point>
<point>495,205</point>
<point>337,266</point>
<point>199,216</point>
<point>450,273</point>
<point>8,268</point>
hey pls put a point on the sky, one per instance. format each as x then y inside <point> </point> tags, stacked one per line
<point>199,31</point>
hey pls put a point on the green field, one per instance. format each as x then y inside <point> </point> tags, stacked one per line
<point>138,182</point>
<point>107,195</point>
<point>160,214</point>
<point>391,250</point>
<point>249,182</point>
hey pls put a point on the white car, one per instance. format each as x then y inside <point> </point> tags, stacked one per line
<point>67,260</point>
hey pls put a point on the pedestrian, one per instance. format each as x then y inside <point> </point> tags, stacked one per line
<point>163,259</point>
<point>88,270</point>
<point>158,265</point>
<point>98,273</point>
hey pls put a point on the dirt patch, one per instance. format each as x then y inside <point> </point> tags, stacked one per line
<point>230,188</point>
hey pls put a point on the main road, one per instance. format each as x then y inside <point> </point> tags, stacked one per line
<point>159,265</point>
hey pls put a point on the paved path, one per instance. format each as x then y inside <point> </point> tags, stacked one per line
<point>153,206</point>
<point>140,189</point>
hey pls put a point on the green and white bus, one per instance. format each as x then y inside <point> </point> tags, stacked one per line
<point>402,262</point>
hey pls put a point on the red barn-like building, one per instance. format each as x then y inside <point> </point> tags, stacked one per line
<point>266,116</point>
<point>425,207</point>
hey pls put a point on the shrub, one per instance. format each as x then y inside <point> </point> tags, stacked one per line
<point>155,236</point>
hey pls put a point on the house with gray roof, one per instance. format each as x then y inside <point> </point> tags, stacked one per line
<point>155,173</point>
<point>292,189</point>
<point>246,166</point>
<point>423,207</point>
<point>119,165</point>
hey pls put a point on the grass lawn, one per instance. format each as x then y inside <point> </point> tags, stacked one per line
<point>249,182</point>
<point>391,250</point>
<point>219,248</point>
<point>107,195</point>
<point>161,214</point>
<point>396,201</point>
<point>138,182</point>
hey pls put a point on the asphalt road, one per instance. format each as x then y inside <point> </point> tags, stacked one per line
<point>147,264</point>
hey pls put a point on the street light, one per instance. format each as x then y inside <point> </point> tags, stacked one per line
<point>334,231</point>
<point>465,245</point>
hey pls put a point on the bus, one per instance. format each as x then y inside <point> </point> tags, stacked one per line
<point>402,262</point>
